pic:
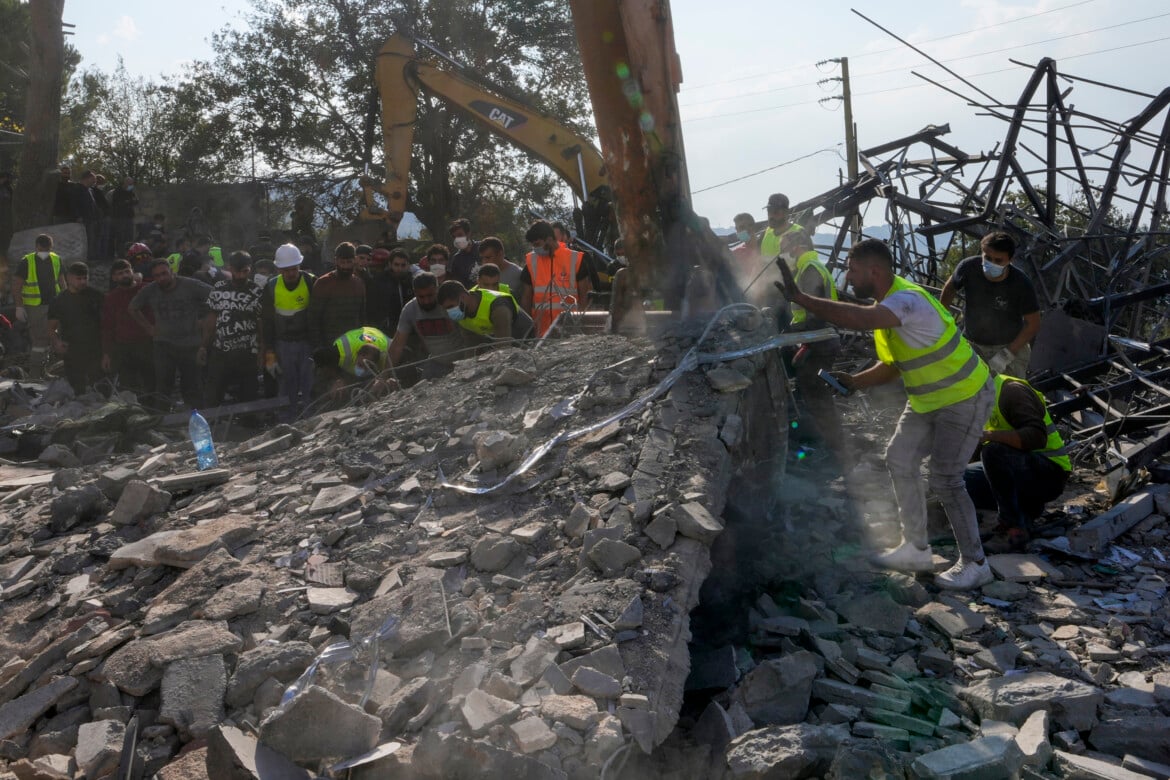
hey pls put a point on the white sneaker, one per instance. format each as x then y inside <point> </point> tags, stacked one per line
<point>965,575</point>
<point>906,557</point>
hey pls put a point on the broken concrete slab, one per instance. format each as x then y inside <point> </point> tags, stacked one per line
<point>284,661</point>
<point>481,711</point>
<point>981,757</point>
<point>137,668</point>
<point>138,501</point>
<point>295,731</point>
<point>596,684</point>
<point>1033,740</point>
<point>1094,535</point>
<point>1145,736</point>
<point>18,715</point>
<point>1073,704</point>
<point>778,690</point>
<point>532,735</point>
<point>877,612</point>
<point>799,750</point>
<point>1018,567</point>
<point>185,548</point>
<point>192,694</point>
<point>233,755</point>
<point>695,522</point>
<point>579,712</point>
<point>1092,768</point>
<point>334,499</point>
<point>99,745</point>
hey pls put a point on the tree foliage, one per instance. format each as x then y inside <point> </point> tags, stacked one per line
<point>157,133</point>
<point>300,76</point>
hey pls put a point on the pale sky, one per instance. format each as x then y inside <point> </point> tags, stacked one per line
<point>749,101</point>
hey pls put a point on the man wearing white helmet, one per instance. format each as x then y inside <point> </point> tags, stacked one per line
<point>286,333</point>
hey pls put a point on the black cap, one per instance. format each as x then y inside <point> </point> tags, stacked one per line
<point>364,249</point>
<point>777,200</point>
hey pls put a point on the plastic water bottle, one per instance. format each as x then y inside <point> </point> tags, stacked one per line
<point>200,433</point>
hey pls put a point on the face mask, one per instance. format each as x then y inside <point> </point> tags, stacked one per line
<point>542,250</point>
<point>260,279</point>
<point>43,255</point>
<point>455,314</point>
<point>360,371</point>
<point>743,235</point>
<point>992,270</point>
<point>461,242</point>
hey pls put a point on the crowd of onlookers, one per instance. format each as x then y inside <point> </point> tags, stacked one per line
<point>186,319</point>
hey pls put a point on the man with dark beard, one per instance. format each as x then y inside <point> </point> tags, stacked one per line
<point>231,346</point>
<point>126,348</point>
<point>424,317</point>
<point>389,289</point>
<point>338,303</point>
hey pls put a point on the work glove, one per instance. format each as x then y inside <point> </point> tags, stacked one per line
<point>788,286</point>
<point>21,314</point>
<point>1001,360</point>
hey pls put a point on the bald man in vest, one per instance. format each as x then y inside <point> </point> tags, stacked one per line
<point>949,393</point>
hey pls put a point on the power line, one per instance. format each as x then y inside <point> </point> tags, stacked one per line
<point>886,51</point>
<point>954,59</point>
<point>766,170</point>
<point>917,86</point>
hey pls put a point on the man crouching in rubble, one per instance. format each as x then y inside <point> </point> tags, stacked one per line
<point>355,357</point>
<point>487,315</point>
<point>1022,463</point>
<point>950,396</point>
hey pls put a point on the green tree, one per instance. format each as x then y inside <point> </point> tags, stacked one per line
<point>301,74</point>
<point>157,133</point>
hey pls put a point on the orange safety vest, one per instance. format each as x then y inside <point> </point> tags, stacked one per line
<point>554,285</point>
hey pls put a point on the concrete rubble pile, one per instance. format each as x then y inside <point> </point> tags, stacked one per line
<point>531,631</point>
<point>1059,668</point>
<point>322,605</point>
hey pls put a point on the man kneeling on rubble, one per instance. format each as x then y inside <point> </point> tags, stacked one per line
<point>490,315</point>
<point>355,357</point>
<point>1022,463</point>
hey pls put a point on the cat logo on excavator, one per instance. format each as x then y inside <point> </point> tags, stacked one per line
<point>496,114</point>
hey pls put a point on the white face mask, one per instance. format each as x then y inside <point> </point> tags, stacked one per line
<point>461,242</point>
<point>992,270</point>
<point>43,255</point>
<point>260,279</point>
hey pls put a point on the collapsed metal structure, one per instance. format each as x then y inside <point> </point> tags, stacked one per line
<point>1097,257</point>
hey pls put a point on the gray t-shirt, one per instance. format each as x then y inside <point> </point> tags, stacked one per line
<point>177,311</point>
<point>438,332</point>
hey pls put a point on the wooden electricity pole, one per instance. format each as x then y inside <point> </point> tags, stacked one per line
<point>850,143</point>
<point>37,180</point>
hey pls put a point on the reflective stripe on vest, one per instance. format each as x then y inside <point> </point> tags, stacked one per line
<point>811,258</point>
<point>348,344</point>
<point>1054,448</point>
<point>553,284</point>
<point>288,302</point>
<point>30,293</point>
<point>770,243</point>
<point>216,256</point>
<point>174,261</point>
<point>942,374</point>
<point>481,323</point>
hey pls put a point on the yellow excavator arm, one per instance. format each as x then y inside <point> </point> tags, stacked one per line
<point>402,73</point>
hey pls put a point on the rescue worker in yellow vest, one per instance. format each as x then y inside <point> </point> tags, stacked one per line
<point>949,392</point>
<point>358,356</point>
<point>1022,465</point>
<point>175,259</point>
<point>207,249</point>
<point>814,279</point>
<point>489,279</point>
<point>555,278</point>
<point>36,280</point>
<point>286,338</point>
<point>778,226</point>
<point>490,315</point>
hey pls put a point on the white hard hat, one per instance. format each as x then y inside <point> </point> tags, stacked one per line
<point>287,256</point>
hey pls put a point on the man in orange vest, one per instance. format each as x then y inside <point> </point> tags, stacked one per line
<point>555,277</point>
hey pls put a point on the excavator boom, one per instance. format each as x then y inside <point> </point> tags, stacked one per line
<point>402,73</point>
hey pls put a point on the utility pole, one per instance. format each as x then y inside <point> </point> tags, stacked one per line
<point>846,99</point>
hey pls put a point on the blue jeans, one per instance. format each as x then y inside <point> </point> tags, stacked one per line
<point>1016,483</point>
<point>295,359</point>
